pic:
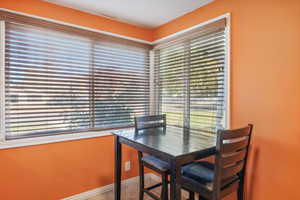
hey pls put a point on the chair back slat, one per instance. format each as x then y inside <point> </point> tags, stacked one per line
<point>151,125</point>
<point>233,158</point>
<point>230,134</point>
<point>229,189</point>
<point>152,121</point>
<point>232,147</point>
<point>232,170</point>
<point>150,118</point>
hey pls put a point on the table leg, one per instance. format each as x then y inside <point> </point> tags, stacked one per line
<point>118,167</point>
<point>175,187</point>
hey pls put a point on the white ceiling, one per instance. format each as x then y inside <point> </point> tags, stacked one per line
<point>145,13</point>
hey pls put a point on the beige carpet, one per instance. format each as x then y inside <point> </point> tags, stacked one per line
<point>130,192</point>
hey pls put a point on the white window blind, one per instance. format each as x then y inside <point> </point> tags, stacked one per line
<point>191,79</point>
<point>60,82</point>
<point>121,84</point>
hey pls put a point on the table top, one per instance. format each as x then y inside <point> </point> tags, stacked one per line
<point>171,140</point>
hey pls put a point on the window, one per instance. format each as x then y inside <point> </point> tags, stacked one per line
<point>191,79</point>
<point>62,82</point>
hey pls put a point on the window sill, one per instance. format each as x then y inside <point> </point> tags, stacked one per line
<point>52,139</point>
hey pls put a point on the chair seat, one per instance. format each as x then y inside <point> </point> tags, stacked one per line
<point>155,162</point>
<point>202,173</point>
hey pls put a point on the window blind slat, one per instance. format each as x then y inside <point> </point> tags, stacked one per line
<point>59,82</point>
<point>197,50</point>
<point>190,80</point>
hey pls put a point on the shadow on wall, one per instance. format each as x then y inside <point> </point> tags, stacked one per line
<point>128,154</point>
<point>251,169</point>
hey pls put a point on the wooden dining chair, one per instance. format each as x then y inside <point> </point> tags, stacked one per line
<point>151,162</point>
<point>213,181</point>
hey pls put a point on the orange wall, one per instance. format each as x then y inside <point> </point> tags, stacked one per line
<point>54,171</point>
<point>265,90</point>
<point>52,11</point>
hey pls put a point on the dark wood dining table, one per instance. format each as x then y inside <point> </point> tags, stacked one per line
<point>177,146</point>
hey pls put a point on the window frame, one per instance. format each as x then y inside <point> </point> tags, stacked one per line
<point>47,23</point>
<point>227,66</point>
<point>92,134</point>
<point>43,139</point>
<point>2,81</point>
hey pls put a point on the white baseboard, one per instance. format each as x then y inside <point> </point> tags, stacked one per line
<point>107,188</point>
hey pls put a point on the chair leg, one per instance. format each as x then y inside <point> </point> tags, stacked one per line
<point>191,195</point>
<point>201,198</point>
<point>142,180</point>
<point>164,189</point>
<point>240,192</point>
